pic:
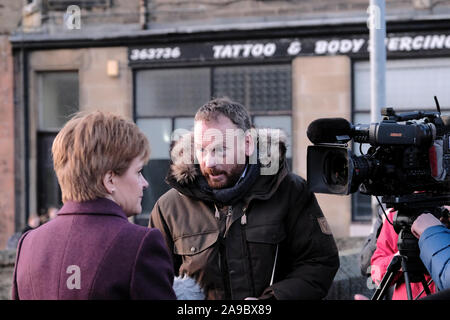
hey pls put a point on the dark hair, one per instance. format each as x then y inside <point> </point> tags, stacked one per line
<point>234,111</point>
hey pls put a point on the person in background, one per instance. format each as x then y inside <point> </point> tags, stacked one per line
<point>382,257</point>
<point>434,244</point>
<point>91,250</point>
<point>369,247</point>
<point>34,221</point>
<point>370,244</point>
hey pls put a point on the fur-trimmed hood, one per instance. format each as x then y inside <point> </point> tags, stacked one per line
<point>184,170</point>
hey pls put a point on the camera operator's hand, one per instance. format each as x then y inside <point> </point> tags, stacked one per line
<point>423,222</point>
<point>445,219</point>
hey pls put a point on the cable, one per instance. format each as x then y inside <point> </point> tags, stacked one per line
<point>381,205</point>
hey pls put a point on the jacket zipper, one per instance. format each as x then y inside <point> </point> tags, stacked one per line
<point>227,220</point>
<point>223,261</point>
<point>247,252</point>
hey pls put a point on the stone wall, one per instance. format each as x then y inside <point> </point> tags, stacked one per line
<point>10,13</point>
<point>125,14</point>
<point>321,88</point>
<point>39,17</point>
<point>7,208</point>
<point>223,11</point>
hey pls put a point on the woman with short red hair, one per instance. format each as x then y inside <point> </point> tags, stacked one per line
<point>91,250</point>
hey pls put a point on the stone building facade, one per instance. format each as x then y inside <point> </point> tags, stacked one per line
<point>10,13</point>
<point>307,59</point>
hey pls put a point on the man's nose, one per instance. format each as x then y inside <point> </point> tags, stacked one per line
<point>210,161</point>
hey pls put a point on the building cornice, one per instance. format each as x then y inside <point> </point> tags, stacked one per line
<point>89,37</point>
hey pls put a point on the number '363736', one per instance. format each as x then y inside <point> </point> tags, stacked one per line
<point>155,53</point>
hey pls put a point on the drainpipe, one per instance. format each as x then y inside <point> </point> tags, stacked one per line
<point>143,14</point>
<point>377,27</point>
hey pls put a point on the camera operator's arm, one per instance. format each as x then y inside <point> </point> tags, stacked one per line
<point>385,251</point>
<point>434,243</point>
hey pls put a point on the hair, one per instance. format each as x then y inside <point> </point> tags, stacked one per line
<point>234,111</point>
<point>91,145</point>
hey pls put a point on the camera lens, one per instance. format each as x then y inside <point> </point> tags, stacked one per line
<point>336,169</point>
<point>329,169</point>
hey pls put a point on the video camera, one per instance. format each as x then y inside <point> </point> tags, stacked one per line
<point>408,152</point>
<point>407,163</point>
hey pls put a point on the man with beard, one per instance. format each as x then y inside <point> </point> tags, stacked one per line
<point>236,220</point>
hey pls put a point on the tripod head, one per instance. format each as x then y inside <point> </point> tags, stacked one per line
<point>408,208</point>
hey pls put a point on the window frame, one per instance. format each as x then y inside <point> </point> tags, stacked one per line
<point>40,110</point>
<point>37,131</point>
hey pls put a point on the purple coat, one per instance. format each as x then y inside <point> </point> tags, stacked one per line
<point>91,251</point>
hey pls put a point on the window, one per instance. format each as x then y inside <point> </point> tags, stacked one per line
<point>278,122</point>
<point>158,131</point>
<point>167,99</point>
<point>62,5</point>
<point>171,92</point>
<point>411,85</point>
<point>58,98</point>
<point>257,87</point>
<point>57,101</point>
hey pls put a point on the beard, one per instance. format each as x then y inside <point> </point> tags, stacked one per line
<point>220,179</point>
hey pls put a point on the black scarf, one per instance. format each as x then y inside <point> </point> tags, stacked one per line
<point>229,196</point>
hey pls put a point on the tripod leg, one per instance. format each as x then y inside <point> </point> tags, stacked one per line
<point>407,282</point>
<point>391,270</point>
<point>425,286</point>
<point>381,291</point>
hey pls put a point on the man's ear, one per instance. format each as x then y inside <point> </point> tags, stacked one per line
<point>108,182</point>
<point>249,144</point>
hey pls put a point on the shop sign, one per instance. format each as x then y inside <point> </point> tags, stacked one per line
<point>396,44</point>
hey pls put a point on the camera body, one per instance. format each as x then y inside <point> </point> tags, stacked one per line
<point>408,153</point>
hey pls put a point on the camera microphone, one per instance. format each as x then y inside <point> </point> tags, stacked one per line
<point>329,130</point>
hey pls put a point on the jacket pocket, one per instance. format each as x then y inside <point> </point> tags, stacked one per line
<point>193,244</point>
<point>261,250</point>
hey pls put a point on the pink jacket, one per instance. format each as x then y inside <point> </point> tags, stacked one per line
<point>386,249</point>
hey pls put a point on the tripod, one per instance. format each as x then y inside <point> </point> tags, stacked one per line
<point>410,263</point>
<point>398,262</point>
<point>408,208</point>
